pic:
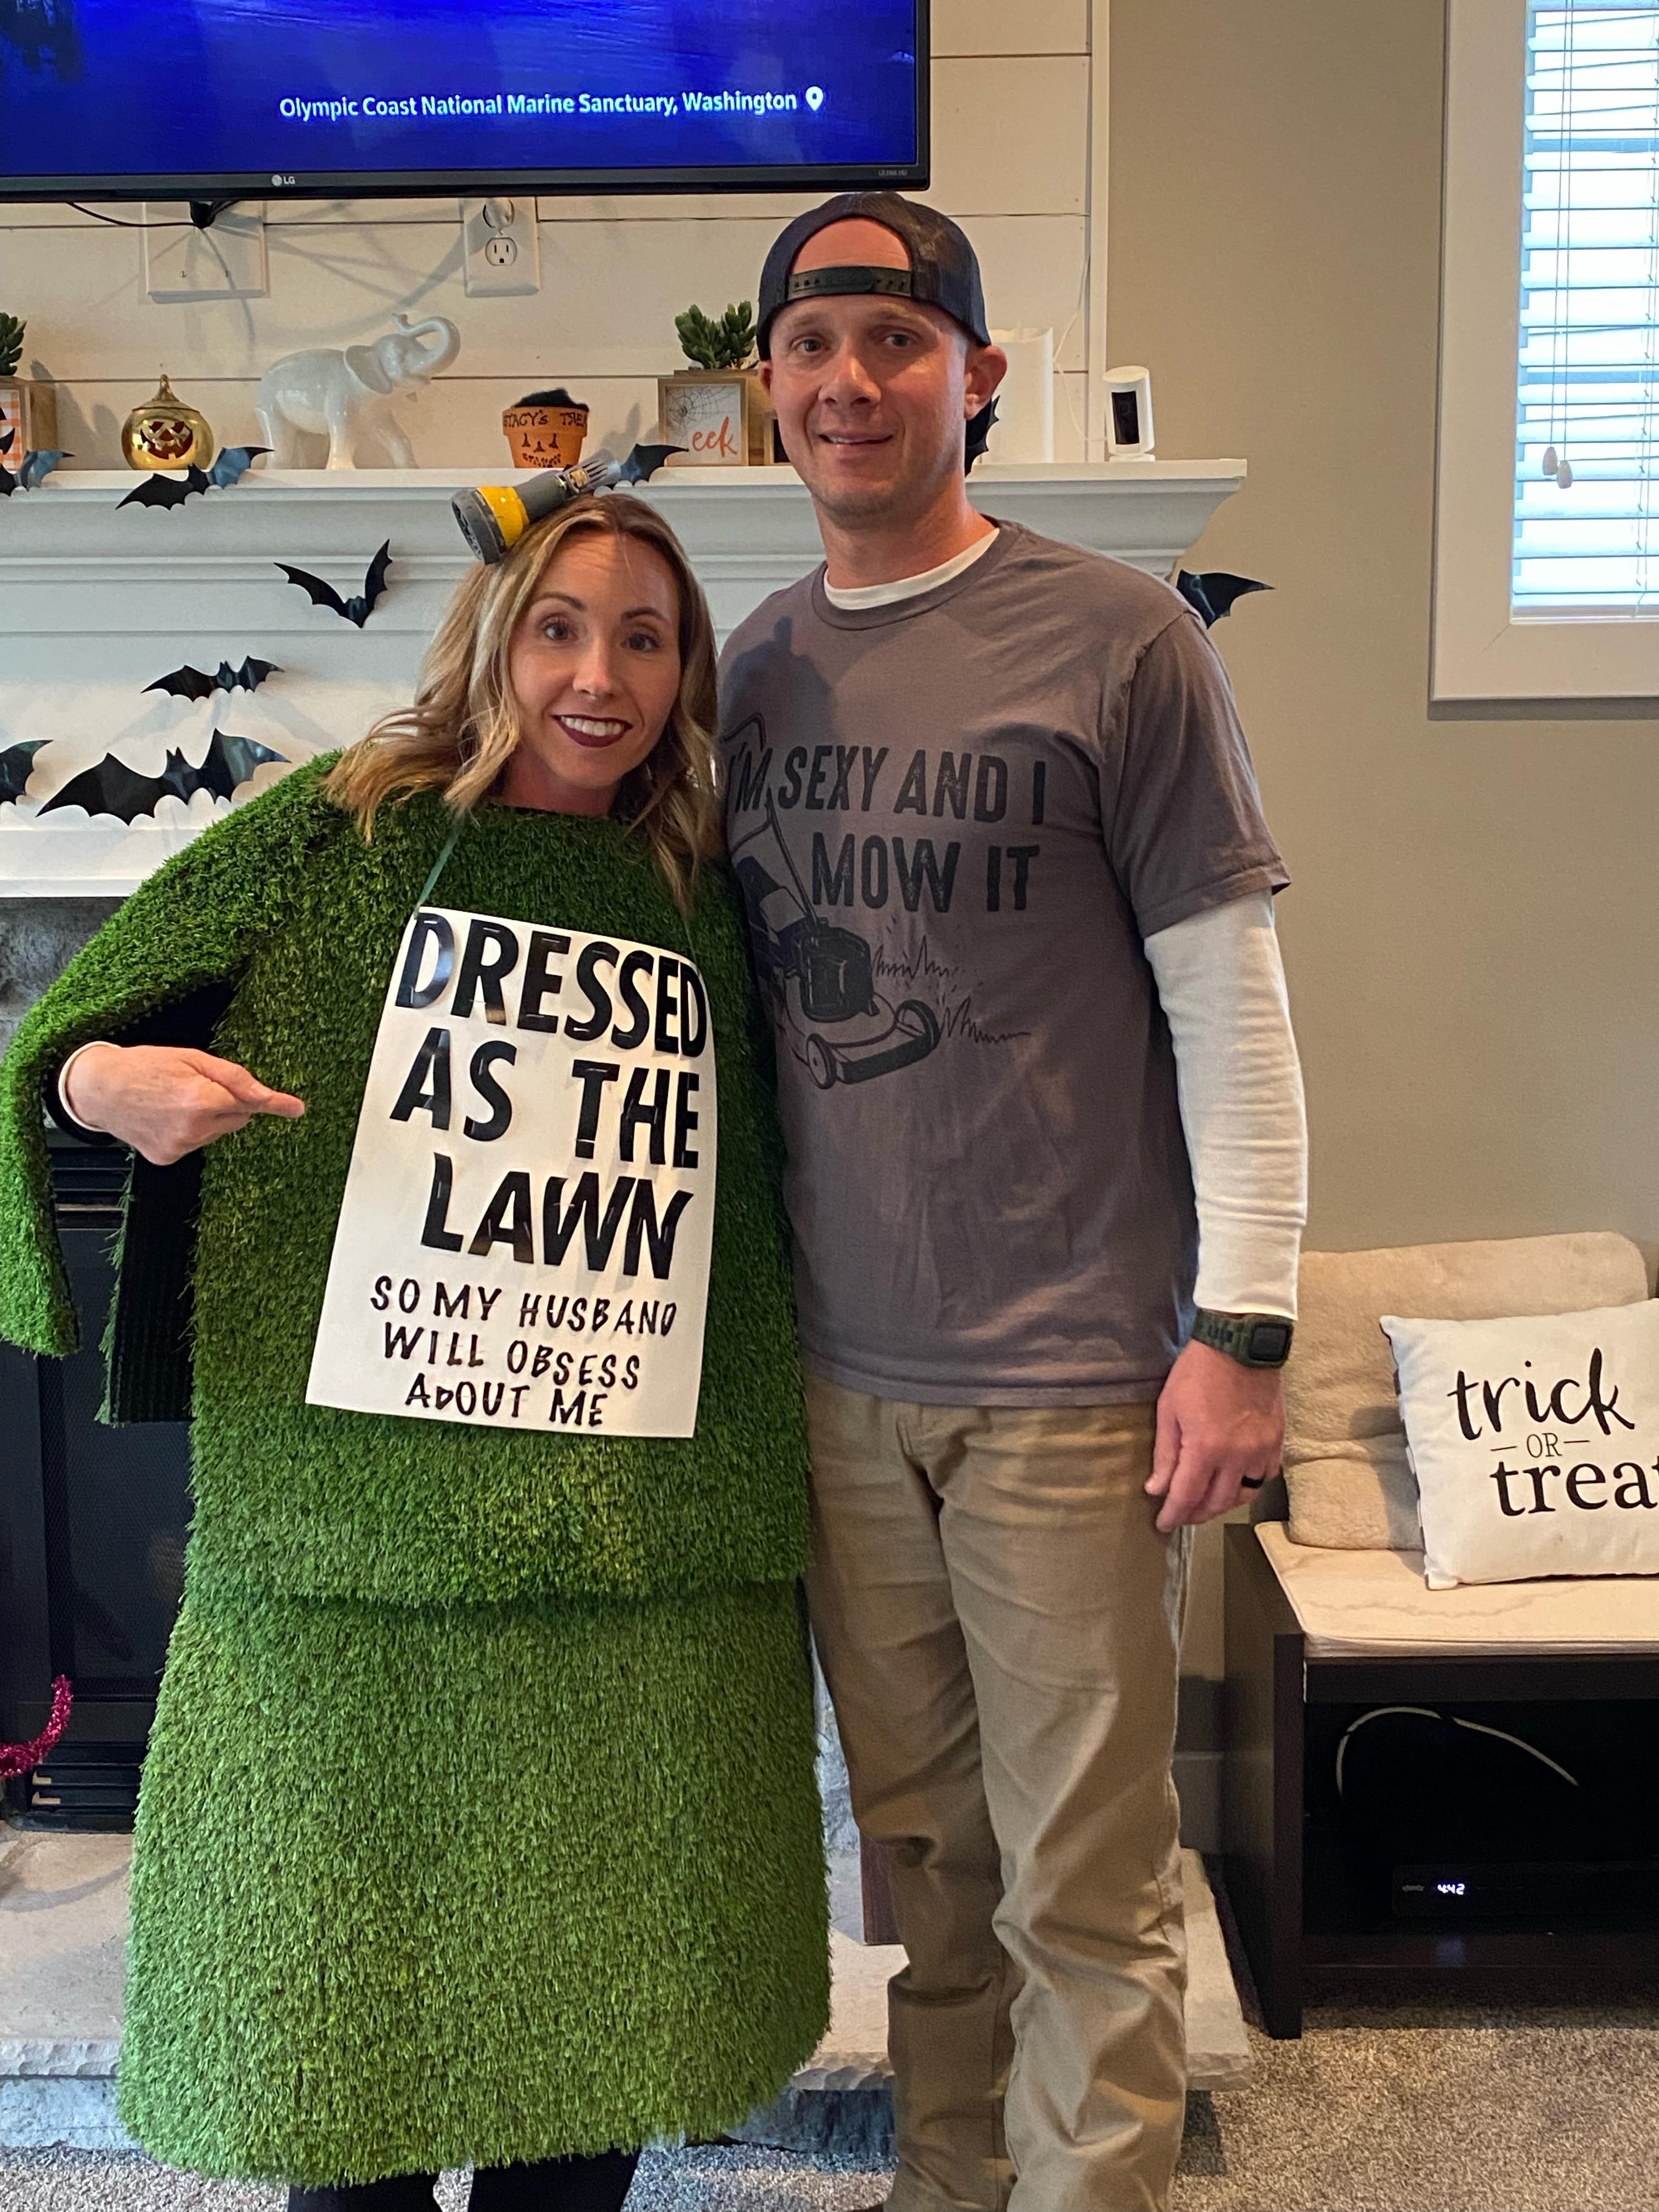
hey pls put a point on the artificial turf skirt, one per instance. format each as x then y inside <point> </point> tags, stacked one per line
<point>417,1887</point>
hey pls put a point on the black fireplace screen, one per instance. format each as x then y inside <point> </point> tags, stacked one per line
<point>93,1522</point>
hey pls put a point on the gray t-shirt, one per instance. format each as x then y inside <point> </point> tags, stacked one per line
<point>955,819</point>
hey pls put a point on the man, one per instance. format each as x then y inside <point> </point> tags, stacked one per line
<point>1010,892</point>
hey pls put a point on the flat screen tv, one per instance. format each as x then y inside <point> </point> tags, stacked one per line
<point>208,100</point>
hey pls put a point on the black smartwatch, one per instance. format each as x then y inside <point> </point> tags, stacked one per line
<point>1253,1340</point>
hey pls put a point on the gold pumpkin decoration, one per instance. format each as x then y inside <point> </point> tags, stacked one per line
<point>166,433</point>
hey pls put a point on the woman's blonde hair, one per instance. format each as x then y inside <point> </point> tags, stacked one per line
<point>463,726</point>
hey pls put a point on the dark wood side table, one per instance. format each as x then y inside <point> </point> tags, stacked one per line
<point>1305,1925</point>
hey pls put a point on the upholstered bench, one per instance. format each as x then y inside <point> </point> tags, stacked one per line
<point>1327,1616</point>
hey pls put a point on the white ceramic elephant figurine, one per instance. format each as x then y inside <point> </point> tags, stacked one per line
<point>346,395</point>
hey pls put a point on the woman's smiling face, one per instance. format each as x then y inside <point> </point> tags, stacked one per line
<point>595,669</point>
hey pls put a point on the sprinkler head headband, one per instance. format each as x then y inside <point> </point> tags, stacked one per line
<point>493,517</point>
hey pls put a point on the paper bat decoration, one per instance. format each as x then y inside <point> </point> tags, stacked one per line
<point>230,465</point>
<point>33,469</point>
<point>112,787</point>
<point>1213,593</point>
<point>16,763</point>
<point>188,683</point>
<point>978,435</point>
<point>644,461</point>
<point>37,467</point>
<point>321,594</point>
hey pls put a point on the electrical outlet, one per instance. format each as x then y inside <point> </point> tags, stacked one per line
<point>227,261</point>
<point>502,247</point>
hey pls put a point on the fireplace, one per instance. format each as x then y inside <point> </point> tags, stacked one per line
<point>93,1521</point>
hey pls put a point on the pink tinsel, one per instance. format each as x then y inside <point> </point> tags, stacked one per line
<point>18,1758</point>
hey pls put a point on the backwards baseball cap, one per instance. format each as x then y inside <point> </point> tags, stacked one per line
<point>943,271</point>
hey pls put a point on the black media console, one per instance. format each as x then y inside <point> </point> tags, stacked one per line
<point>1317,1914</point>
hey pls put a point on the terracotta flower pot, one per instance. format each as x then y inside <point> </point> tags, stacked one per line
<point>545,430</point>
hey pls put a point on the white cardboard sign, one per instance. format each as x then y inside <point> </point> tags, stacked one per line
<point>524,1238</point>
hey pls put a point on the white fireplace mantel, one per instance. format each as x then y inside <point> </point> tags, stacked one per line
<point>98,601</point>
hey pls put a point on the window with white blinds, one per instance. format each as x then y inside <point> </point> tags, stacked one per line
<point>1587,442</point>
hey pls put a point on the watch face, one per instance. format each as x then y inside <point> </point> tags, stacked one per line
<point>1269,1341</point>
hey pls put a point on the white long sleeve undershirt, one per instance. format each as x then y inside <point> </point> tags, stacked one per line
<point>1221,983</point>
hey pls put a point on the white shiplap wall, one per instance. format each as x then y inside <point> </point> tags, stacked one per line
<point>1019,156</point>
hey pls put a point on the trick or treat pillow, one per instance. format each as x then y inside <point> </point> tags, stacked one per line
<point>1536,1443</point>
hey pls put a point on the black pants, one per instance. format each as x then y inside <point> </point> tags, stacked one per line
<point>557,2185</point>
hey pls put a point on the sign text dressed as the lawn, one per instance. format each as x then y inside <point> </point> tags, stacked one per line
<point>524,1238</point>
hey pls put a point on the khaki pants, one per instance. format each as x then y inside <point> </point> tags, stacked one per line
<point>997,1621</point>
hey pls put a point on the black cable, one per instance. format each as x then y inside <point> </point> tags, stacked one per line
<point>206,208</point>
<point>121,223</point>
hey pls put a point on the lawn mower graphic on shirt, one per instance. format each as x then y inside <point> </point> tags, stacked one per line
<point>816,977</point>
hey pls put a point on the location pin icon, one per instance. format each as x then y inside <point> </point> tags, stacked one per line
<point>815,97</point>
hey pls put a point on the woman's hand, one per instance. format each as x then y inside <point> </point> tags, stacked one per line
<point>167,1100</point>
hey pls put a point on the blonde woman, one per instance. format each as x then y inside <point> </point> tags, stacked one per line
<point>478,1825</point>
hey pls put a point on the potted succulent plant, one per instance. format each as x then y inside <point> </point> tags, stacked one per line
<point>727,343</point>
<point>28,409</point>
<point>717,409</point>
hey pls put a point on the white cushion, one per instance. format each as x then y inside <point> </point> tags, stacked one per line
<point>1345,1449</point>
<point>1535,1441</point>
<point>1350,1602</point>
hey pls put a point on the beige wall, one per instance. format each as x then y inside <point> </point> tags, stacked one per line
<point>1473,934</point>
<point>1014,99</point>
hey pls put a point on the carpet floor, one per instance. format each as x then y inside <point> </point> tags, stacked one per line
<point>1427,2108</point>
<point>736,2180</point>
<point>1437,2107</point>
<point>1433,2105</point>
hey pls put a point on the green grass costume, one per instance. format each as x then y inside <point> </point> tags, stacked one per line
<point>479,1821</point>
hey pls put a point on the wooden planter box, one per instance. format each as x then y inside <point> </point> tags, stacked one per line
<point>720,416</point>
<point>29,411</point>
